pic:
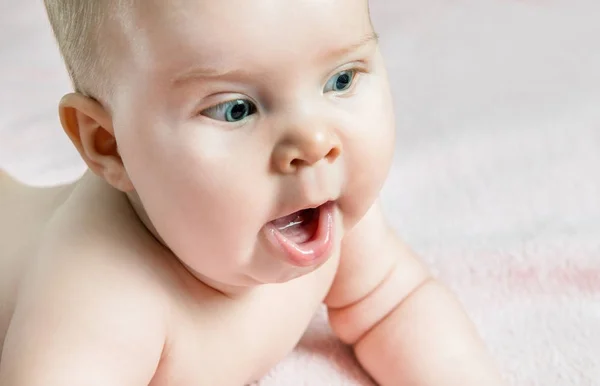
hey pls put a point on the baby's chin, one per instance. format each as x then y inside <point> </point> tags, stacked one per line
<point>295,273</point>
<point>239,282</point>
<point>277,272</point>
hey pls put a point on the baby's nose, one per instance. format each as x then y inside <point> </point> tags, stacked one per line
<point>306,148</point>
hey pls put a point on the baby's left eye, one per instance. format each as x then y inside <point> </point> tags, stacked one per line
<point>340,82</point>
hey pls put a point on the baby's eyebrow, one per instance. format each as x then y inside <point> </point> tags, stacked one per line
<point>344,51</point>
<point>207,72</point>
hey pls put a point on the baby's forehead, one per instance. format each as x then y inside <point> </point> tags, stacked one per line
<point>165,31</point>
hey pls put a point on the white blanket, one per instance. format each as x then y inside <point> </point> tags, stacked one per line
<point>496,182</point>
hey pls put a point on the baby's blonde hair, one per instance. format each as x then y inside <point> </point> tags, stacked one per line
<point>83,30</point>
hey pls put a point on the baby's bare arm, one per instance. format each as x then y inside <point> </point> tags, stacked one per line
<point>406,328</point>
<point>83,321</point>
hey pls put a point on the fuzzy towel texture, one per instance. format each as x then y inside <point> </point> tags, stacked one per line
<point>496,182</point>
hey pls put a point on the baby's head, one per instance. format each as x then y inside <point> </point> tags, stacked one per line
<point>219,117</point>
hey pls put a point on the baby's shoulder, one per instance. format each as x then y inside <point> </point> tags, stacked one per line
<point>93,247</point>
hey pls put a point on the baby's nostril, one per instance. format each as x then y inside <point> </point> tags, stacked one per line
<point>296,163</point>
<point>333,154</point>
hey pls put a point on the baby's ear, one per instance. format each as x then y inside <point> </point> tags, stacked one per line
<point>89,126</point>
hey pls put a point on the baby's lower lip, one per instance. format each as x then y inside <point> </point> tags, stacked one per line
<point>313,251</point>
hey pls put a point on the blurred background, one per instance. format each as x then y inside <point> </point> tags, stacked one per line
<point>496,181</point>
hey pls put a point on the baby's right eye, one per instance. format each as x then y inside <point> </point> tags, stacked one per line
<point>232,111</point>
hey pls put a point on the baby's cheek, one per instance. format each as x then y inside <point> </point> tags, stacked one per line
<point>377,135</point>
<point>368,162</point>
<point>374,147</point>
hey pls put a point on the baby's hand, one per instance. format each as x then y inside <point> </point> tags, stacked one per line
<point>406,327</point>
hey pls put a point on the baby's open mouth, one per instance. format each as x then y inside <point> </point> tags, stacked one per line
<point>305,237</point>
<point>299,227</point>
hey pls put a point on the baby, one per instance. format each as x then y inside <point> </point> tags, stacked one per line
<point>236,150</point>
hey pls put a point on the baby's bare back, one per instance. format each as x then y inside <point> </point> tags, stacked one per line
<point>100,287</point>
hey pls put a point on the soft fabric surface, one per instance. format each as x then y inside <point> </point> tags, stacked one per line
<point>495,183</point>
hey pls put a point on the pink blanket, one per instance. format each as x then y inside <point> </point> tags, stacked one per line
<point>496,182</point>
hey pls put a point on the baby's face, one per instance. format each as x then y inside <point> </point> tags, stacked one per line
<point>232,114</point>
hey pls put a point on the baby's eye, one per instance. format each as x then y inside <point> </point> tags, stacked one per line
<point>232,111</point>
<point>341,81</point>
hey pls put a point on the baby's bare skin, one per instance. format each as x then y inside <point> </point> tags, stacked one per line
<point>194,335</point>
<point>24,212</point>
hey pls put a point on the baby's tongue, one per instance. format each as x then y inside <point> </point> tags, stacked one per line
<point>298,227</point>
